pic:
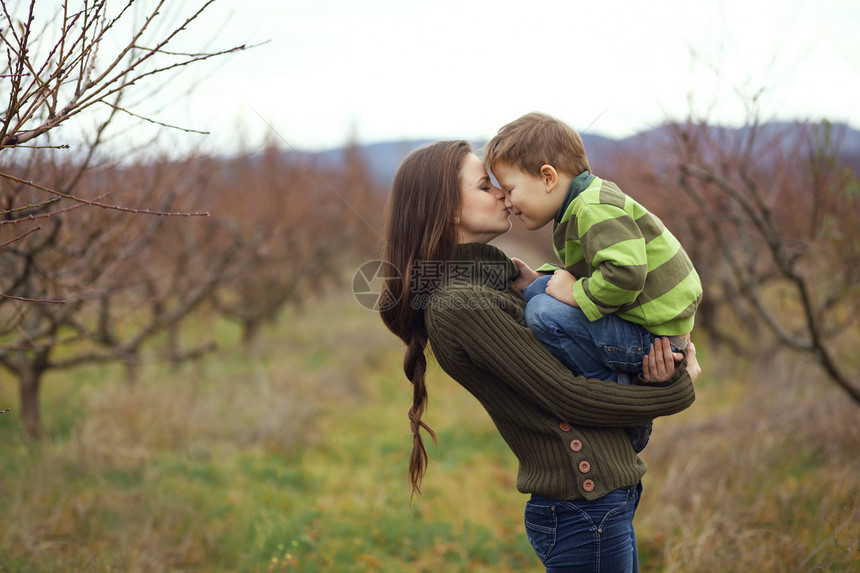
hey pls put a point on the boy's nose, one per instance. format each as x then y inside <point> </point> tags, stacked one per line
<point>508,204</point>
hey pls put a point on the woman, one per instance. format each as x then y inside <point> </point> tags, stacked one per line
<point>458,293</point>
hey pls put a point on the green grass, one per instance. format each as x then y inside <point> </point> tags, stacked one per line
<point>292,455</point>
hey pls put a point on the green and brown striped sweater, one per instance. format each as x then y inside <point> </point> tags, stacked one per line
<point>566,431</point>
<point>626,260</point>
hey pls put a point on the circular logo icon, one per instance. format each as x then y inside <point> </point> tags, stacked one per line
<point>369,285</point>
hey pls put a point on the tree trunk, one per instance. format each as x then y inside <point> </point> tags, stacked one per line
<point>173,354</point>
<point>132,369</point>
<point>29,383</point>
<point>250,330</point>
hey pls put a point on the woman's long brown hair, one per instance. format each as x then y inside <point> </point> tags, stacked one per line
<point>420,228</point>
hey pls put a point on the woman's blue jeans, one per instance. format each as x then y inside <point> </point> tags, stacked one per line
<point>585,536</point>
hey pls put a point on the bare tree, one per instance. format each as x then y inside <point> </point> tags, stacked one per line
<point>648,172</point>
<point>70,273</point>
<point>778,206</point>
<point>84,58</point>
<point>122,280</point>
<point>306,221</point>
<point>279,235</point>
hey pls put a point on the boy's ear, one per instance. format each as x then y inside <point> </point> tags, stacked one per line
<point>549,176</point>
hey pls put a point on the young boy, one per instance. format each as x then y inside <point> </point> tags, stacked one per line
<point>625,278</point>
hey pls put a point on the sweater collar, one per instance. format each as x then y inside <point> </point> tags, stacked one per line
<point>577,186</point>
<point>482,263</point>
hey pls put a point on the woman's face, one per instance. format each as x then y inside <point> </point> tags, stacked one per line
<point>482,215</point>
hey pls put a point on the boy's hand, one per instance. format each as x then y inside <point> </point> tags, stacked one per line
<point>560,287</point>
<point>527,275</point>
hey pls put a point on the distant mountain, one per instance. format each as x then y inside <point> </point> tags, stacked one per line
<point>844,140</point>
<point>383,158</point>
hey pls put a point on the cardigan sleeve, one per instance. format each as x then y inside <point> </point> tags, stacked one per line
<point>472,328</point>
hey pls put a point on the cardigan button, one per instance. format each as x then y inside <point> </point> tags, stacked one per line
<point>565,427</point>
<point>584,467</point>
<point>575,445</point>
<point>588,485</point>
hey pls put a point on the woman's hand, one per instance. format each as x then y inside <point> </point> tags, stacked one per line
<point>659,364</point>
<point>527,275</point>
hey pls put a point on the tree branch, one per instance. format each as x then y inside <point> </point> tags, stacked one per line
<point>96,203</point>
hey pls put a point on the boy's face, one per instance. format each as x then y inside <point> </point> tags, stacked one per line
<point>535,199</point>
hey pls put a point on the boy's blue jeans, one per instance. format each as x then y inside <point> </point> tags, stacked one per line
<point>609,348</point>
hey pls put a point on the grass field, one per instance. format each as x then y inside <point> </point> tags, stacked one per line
<point>292,456</point>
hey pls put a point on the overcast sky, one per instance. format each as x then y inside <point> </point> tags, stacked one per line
<point>385,70</point>
<point>380,70</point>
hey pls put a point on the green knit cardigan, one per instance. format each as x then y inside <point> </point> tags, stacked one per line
<point>566,431</point>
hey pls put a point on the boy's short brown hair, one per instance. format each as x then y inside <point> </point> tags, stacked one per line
<point>534,140</point>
